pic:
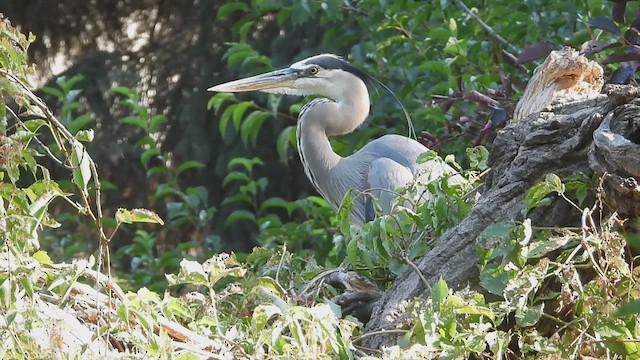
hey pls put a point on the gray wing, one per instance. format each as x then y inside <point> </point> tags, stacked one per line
<point>384,177</point>
<point>394,165</point>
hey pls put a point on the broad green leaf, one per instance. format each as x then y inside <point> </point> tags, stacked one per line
<point>529,315</point>
<point>238,113</point>
<point>135,121</point>
<point>229,8</point>
<point>224,120</point>
<point>85,135</point>
<point>53,91</point>
<point>285,139</point>
<point>439,292</point>
<point>138,216</point>
<point>427,156</point>
<point>147,155</point>
<point>239,215</point>
<point>122,311</point>
<point>78,123</point>
<point>191,164</point>
<point>250,127</point>
<point>236,176</point>
<point>42,257</point>
<point>126,92</point>
<point>275,202</point>
<point>155,122</point>
<point>344,214</point>
<point>216,101</point>
<point>81,163</point>
<point>248,164</point>
<point>191,272</point>
<point>629,308</point>
<point>536,195</point>
<point>478,157</point>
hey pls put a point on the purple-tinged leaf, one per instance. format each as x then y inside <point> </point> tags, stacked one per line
<point>511,60</point>
<point>632,36</point>
<point>498,117</point>
<point>536,51</point>
<point>618,10</point>
<point>595,46</point>
<point>605,24</point>
<point>624,73</point>
<point>632,53</point>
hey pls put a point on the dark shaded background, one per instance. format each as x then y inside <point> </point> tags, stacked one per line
<point>181,58</point>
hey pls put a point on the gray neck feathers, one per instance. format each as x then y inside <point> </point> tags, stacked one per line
<point>322,118</point>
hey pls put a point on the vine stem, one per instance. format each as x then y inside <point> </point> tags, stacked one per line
<point>487,28</point>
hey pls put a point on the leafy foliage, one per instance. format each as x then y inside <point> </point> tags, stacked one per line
<point>562,292</point>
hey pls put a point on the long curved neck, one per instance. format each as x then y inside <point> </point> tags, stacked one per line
<point>320,119</point>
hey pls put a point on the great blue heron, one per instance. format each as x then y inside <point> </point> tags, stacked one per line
<point>378,169</point>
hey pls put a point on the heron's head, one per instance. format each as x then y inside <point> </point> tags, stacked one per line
<point>325,75</point>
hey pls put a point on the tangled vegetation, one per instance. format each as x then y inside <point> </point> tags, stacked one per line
<point>544,292</point>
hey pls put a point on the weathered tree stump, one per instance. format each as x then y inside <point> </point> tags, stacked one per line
<point>573,129</point>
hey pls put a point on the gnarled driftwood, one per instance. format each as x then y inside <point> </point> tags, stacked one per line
<point>581,131</point>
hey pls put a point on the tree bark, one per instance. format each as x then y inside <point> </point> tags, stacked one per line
<point>574,132</point>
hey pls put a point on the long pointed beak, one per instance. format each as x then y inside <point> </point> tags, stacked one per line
<point>272,80</point>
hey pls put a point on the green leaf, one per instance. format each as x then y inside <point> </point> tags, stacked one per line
<point>191,164</point>
<point>239,215</point>
<point>229,8</point>
<point>188,356</point>
<point>42,257</point>
<point>246,163</point>
<point>81,163</point>
<point>147,155</point>
<point>35,124</point>
<point>53,91</point>
<point>344,214</point>
<point>250,127</point>
<point>80,122</point>
<point>275,202</point>
<point>497,231</point>
<point>235,198</point>
<point>629,308</point>
<point>135,121</point>
<point>541,247</point>
<point>238,112</point>
<point>122,311</point>
<point>439,292</point>
<point>216,101</point>
<point>137,216</point>
<point>478,157</point>
<point>538,192</point>
<point>155,122</point>
<point>285,139</point>
<point>126,92</point>
<point>529,316</point>
<point>494,280</point>
<point>235,176</point>
<point>191,272</point>
<point>427,156</point>
<point>352,251</point>
<point>224,120</point>
<point>85,135</point>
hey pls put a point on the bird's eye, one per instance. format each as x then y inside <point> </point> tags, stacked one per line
<point>313,70</point>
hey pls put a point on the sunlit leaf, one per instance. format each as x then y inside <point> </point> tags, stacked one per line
<point>138,216</point>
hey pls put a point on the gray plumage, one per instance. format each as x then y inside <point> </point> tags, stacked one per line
<point>378,169</point>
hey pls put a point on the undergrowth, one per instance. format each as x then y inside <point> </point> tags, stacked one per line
<point>544,292</point>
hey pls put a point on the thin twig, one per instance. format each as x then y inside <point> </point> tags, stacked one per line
<point>43,146</point>
<point>487,28</point>
<point>417,270</point>
<point>379,332</point>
